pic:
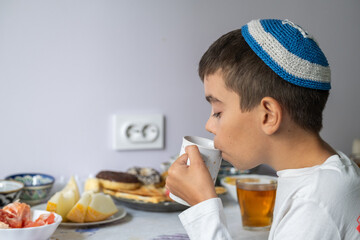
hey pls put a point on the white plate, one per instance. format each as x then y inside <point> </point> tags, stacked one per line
<point>117,216</point>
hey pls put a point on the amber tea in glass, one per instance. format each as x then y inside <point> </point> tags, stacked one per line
<point>256,196</point>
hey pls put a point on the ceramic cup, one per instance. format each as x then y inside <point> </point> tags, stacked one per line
<point>210,155</point>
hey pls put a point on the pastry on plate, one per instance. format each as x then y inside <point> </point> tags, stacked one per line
<point>118,180</point>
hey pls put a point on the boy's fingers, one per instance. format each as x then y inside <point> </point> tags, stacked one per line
<point>194,155</point>
<point>179,163</point>
<point>182,160</point>
<point>176,170</point>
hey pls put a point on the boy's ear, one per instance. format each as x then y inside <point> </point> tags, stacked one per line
<point>271,115</point>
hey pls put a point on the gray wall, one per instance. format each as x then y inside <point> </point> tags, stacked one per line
<point>67,66</point>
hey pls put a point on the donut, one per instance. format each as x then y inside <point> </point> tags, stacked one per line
<point>118,180</point>
<point>146,175</point>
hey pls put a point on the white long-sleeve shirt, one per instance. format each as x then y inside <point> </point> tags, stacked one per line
<point>320,202</point>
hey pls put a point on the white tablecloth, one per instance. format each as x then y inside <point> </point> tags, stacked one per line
<point>142,225</point>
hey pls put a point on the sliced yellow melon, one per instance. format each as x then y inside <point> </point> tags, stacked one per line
<point>100,208</point>
<point>69,200</point>
<point>61,203</point>
<point>73,185</point>
<point>53,202</point>
<point>78,212</point>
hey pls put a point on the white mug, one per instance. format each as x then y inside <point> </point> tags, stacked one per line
<point>210,155</point>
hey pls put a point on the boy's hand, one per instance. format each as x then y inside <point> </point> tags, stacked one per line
<point>193,182</point>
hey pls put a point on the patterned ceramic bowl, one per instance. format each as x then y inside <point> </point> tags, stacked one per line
<point>37,186</point>
<point>9,191</point>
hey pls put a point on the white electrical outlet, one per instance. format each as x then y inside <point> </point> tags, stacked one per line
<point>138,132</point>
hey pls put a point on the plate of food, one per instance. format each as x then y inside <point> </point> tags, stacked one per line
<point>141,189</point>
<point>151,203</point>
<point>120,214</point>
<point>82,209</point>
<point>138,188</point>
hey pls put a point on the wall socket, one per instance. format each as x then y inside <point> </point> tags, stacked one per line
<point>131,132</point>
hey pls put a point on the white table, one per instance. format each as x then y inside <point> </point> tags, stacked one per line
<point>142,225</point>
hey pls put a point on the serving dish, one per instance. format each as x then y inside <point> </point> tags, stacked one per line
<point>32,233</point>
<point>229,182</point>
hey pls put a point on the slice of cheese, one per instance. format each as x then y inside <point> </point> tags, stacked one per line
<point>78,212</point>
<point>92,184</point>
<point>100,208</point>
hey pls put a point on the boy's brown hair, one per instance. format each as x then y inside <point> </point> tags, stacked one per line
<point>247,75</point>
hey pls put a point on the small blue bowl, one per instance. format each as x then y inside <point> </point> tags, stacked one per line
<point>37,186</point>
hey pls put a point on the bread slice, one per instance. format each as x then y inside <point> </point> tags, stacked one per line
<point>147,199</point>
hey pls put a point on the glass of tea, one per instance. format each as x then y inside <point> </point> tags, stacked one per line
<point>256,196</point>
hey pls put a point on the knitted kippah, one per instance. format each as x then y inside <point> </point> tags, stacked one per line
<point>289,51</point>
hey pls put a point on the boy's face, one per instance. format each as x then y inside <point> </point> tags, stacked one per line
<point>237,134</point>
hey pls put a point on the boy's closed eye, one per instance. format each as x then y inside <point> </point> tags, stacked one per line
<point>214,101</point>
<point>216,114</point>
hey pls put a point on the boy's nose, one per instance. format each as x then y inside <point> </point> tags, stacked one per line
<point>209,126</point>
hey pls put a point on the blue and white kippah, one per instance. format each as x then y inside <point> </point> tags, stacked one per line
<point>289,51</point>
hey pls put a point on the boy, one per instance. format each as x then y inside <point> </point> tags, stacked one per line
<point>267,84</point>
